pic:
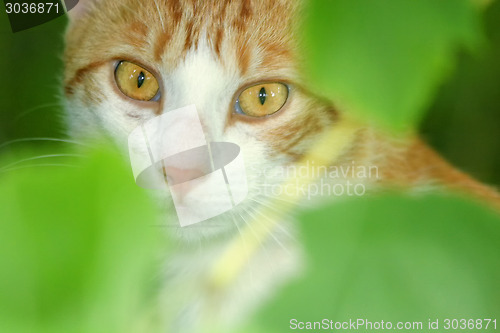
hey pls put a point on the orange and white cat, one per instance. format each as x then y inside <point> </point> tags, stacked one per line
<point>128,61</point>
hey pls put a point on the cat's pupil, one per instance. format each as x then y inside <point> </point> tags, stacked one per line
<point>140,79</point>
<point>262,95</point>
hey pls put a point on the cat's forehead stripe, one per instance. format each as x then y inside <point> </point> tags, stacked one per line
<point>255,34</point>
<point>137,33</point>
<point>80,75</point>
<point>161,44</point>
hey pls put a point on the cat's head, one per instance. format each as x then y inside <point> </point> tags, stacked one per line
<point>128,61</point>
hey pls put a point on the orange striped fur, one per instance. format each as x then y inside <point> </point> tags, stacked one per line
<point>254,41</point>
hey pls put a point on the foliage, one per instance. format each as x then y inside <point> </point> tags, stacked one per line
<point>383,60</point>
<point>394,258</point>
<point>77,254</point>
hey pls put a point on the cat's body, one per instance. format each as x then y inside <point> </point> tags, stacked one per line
<point>206,53</point>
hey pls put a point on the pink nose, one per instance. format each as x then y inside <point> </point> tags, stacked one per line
<point>180,175</point>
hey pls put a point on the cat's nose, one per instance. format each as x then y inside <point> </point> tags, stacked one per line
<point>180,178</point>
<point>176,175</point>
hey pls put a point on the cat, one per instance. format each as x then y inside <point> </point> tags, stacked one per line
<point>129,61</point>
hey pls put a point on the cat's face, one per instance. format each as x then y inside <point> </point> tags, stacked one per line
<point>182,52</point>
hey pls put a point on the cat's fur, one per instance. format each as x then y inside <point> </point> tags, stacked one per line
<point>204,52</point>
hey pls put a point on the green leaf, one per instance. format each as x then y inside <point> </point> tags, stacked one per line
<point>77,246</point>
<point>395,259</point>
<point>382,60</point>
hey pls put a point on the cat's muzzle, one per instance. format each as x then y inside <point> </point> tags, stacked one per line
<point>170,153</point>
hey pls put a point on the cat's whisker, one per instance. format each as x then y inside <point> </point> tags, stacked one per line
<point>236,223</point>
<point>270,203</point>
<point>285,215</point>
<point>8,143</point>
<point>248,224</point>
<point>160,16</point>
<point>36,108</point>
<point>270,232</point>
<point>268,256</point>
<point>38,165</point>
<point>37,158</point>
<point>252,214</point>
<point>250,227</point>
<point>245,246</point>
<point>279,199</point>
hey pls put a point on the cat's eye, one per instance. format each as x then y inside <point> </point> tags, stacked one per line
<point>262,99</point>
<point>136,82</point>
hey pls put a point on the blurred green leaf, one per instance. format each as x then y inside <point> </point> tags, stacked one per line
<point>30,91</point>
<point>77,248</point>
<point>383,59</point>
<point>463,123</point>
<point>394,259</point>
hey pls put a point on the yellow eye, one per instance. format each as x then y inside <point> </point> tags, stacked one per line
<point>262,99</point>
<point>135,81</point>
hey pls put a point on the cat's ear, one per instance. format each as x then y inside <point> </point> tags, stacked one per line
<point>78,8</point>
